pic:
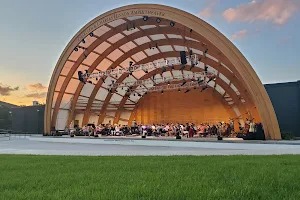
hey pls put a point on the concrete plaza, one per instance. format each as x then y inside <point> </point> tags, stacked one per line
<point>122,147</point>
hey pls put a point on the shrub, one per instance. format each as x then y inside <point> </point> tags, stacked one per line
<point>287,136</point>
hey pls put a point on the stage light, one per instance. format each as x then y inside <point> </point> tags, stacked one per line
<point>134,94</point>
<point>172,24</point>
<point>76,49</point>
<point>191,30</point>
<point>158,20</point>
<point>205,68</point>
<point>182,67</point>
<point>86,71</point>
<point>200,81</point>
<point>195,88</point>
<point>122,88</point>
<point>184,82</point>
<point>168,82</point>
<point>162,92</point>
<point>215,78</point>
<point>91,34</point>
<point>83,41</point>
<point>145,18</point>
<point>179,90</point>
<point>188,90</point>
<point>96,79</point>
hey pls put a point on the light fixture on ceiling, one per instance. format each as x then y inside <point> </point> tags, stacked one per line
<point>76,49</point>
<point>91,34</point>
<point>83,41</point>
<point>145,18</point>
<point>158,20</point>
<point>172,24</point>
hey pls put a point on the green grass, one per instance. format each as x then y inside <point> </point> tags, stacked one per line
<point>178,177</point>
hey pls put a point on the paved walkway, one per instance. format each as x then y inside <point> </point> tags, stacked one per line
<point>117,146</point>
<point>120,147</point>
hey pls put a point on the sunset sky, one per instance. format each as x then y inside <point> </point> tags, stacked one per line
<point>35,32</point>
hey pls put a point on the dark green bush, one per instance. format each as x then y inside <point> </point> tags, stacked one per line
<point>287,136</point>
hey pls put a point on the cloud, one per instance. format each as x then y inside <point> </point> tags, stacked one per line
<point>37,87</point>
<point>206,13</point>
<point>239,35</point>
<point>274,11</point>
<point>36,95</point>
<point>6,90</point>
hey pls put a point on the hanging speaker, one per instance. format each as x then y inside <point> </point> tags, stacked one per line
<point>80,76</point>
<point>183,57</point>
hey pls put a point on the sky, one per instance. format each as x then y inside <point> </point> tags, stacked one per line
<point>35,32</point>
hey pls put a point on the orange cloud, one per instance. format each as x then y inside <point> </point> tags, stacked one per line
<point>36,95</point>
<point>206,13</point>
<point>239,35</point>
<point>37,87</point>
<point>6,90</point>
<point>275,11</point>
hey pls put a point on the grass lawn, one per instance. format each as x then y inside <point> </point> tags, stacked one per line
<point>178,177</point>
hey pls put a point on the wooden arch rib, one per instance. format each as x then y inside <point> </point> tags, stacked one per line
<point>166,30</point>
<point>195,45</point>
<point>224,85</point>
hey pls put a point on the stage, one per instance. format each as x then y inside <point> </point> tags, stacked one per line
<point>108,146</point>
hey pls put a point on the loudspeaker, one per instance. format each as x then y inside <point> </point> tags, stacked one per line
<point>178,137</point>
<point>220,138</point>
<point>144,136</point>
<point>80,76</point>
<point>183,57</point>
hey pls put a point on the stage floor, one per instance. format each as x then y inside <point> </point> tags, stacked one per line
<point>133,146</point>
